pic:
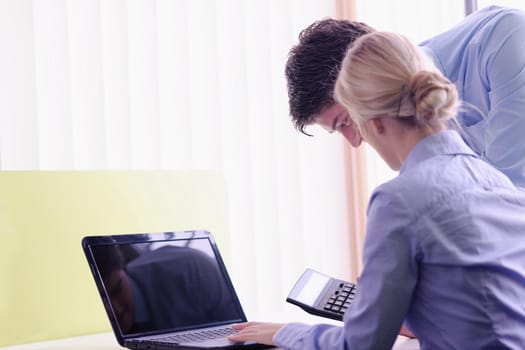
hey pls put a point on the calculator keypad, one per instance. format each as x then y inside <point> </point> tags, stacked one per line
<point>341,299</point>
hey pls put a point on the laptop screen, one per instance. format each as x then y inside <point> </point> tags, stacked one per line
<point>164,282</point>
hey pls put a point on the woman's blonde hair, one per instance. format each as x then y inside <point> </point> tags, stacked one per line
<point>384,75</point>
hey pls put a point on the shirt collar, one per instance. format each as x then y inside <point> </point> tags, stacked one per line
<point>447,142</point>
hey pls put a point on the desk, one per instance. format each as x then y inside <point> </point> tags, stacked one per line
<point>106,341</point>
<point>102,341</point>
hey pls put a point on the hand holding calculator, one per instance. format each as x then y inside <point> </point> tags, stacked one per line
<point>322,295</point>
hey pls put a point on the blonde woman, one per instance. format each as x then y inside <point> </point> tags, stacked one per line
<point>445,241</point>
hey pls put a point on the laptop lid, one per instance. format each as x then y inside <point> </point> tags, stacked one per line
<point>158,283</point>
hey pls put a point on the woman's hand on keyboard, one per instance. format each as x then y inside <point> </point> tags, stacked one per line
<point>260,332</point>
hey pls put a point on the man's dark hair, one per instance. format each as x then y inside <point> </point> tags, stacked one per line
<point>313,65</point>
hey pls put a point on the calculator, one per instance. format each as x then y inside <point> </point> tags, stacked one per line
<point>322,295</point>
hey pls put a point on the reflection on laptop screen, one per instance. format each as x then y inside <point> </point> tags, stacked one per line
<point>165,285</point>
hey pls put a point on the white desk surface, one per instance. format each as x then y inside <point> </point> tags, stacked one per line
<point>102,341</point>
<point>106,341</point>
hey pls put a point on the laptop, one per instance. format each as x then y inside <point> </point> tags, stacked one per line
<point>166,290</point>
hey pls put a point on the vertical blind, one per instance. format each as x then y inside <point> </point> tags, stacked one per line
<point>182,84</point>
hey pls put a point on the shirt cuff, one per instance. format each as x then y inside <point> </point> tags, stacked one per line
<point>291,335</point>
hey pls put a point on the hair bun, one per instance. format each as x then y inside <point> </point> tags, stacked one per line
<point>434,97</point>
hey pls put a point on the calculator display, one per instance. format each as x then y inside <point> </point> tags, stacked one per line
<point>312,288</point>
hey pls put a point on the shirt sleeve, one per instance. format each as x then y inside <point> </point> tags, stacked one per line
<point>384,290</point>
<point>503,58</point>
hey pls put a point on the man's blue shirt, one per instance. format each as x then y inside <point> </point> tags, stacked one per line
<point>484,56</point>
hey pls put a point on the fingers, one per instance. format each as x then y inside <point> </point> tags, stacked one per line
<point>241,326</point>
<point>259,332</point>
<point>241,337</point>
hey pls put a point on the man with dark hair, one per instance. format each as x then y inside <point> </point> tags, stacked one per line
<point>484,56</point>
<point>313,66</point>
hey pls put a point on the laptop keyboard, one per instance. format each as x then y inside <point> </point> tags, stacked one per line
<point>202,335</point>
